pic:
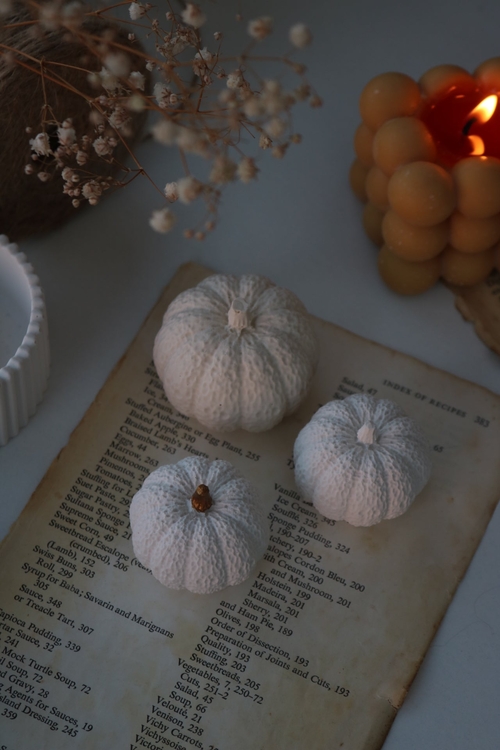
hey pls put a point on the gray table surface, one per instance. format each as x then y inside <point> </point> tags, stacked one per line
<point>301,226</point>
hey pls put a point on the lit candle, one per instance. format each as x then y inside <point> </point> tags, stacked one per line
<point>428,169</point>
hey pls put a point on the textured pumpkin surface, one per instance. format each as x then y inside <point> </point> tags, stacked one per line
<point>360,482</point>
<point>199,551</point>
<point>249,374</point>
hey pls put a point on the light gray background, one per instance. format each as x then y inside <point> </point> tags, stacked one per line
<point>301,226</point>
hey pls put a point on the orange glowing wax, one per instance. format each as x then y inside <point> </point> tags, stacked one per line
<point>463,124</point>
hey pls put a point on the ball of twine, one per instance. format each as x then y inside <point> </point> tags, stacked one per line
<point>28,206</point>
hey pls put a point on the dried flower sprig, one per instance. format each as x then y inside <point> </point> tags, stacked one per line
<point>205,104</point>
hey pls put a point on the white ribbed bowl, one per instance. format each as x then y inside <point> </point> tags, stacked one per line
<point>24,342</point>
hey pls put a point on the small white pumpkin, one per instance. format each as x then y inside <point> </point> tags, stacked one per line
<point>361,460</point>
<point>198,525</point>
<point>236,352</point>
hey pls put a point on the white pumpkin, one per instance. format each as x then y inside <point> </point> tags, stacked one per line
<point>361,460</point>
<point>198,525</point>
<point>236,352</point>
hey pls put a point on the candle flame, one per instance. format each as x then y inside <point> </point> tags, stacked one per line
<point>485,109</point>
<point>477,145</point>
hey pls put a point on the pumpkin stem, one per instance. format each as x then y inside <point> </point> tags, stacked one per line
<point>201,500</point>
<point>366,433</point>
<point>238,317</point>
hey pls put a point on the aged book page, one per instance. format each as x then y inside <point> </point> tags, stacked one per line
<point>481,305</point>
<point>316,649</point>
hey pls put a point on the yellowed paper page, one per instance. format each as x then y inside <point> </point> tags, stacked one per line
<point>481,305</point>
<point>316,649</point>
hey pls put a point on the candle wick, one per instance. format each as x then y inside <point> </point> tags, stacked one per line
<point>468,125</point>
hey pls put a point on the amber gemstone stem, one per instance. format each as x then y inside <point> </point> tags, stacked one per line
<point>201,500</point>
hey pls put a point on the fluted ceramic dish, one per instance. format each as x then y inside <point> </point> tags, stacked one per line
<point>24,343</point>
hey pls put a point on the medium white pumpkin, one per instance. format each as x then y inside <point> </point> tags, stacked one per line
<point>198,525</point>
<point>361,460</point>
<point>236,352</point>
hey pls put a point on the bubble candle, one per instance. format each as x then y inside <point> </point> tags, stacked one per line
<point>428,170</point>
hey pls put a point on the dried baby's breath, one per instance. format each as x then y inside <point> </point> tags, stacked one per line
<point>208,106</point>
<point>162,220</point>
<point>300,36</point>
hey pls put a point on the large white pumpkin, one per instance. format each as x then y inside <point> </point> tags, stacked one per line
<point>236,352</point>
<point>198,525</point>
<point>361,460</point>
